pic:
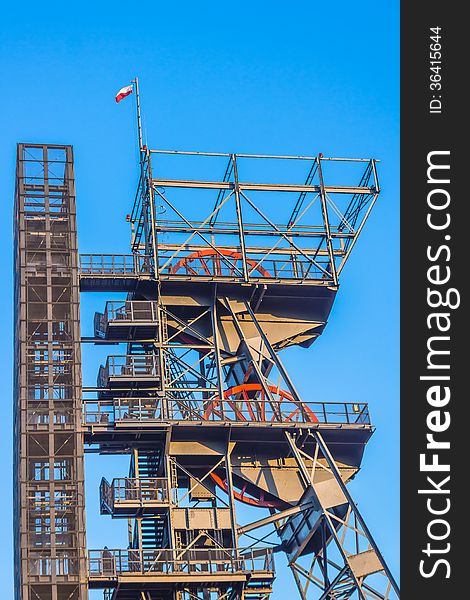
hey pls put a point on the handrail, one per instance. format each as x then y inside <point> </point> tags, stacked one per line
<point>110,563</point>
<point>105,412</point>
<point>106,494</point>
<point>127,489</point>
<point>132,365</point>
<point>122,311</point>
<point>225,263</point>
<point>114,264</point>
<point>292,266</point>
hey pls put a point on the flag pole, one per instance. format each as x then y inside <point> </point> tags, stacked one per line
<point>146,193</point>
<point>139,120</point>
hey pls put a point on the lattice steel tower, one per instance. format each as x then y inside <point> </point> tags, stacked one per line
<point>228,465</point>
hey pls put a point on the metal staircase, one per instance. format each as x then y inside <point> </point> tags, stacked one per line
<point>149,462</point>
<point>154,532</point>
<point>154,529</point>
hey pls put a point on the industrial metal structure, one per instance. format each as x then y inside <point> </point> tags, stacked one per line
<point>228,465</point>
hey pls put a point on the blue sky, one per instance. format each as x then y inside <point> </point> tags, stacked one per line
<point>253,77</point>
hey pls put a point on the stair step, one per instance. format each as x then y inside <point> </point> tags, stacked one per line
<point>153,532</point>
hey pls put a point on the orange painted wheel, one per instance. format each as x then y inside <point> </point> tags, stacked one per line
<point>210,262</point>
<point>248,402</point>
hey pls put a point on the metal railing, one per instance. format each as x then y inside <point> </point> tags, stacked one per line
<point>135,366</point>
<point>126,265</point>
<point>131,311</point>
<point>98,412</point>
<point>133,490</point>
<point>114,265</point>
<point>228,263</point>
<point>106,412</point>
<point>110,564</point>
<point>134,265</point>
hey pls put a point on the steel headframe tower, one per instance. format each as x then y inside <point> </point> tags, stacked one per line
<point>228,464</point>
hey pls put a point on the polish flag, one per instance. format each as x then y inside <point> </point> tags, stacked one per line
<point>125,91</point>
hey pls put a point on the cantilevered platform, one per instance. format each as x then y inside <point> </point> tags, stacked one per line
<point>137,496</point>
<point>125,320</point>
<point>115,423</point>
<point>290,313</point>
<point>159,568</point>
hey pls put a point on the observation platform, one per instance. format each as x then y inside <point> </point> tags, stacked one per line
<point>123,272</point>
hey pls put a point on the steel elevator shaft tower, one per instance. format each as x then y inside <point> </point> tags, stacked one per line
<point>50,558</point>
<point>228,465</point>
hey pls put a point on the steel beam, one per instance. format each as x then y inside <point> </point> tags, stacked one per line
<point>259,187</point>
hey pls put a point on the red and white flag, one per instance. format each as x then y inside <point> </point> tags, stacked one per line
<point>125,91</point>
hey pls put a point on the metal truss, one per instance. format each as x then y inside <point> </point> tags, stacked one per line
<point>336,516</point>
<point>226,228</point>
<point>349,560</point>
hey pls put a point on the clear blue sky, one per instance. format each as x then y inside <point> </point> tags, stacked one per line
<point>263,77</point>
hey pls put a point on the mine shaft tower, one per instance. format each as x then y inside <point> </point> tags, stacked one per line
<point>228,465</point>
